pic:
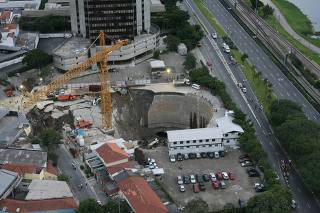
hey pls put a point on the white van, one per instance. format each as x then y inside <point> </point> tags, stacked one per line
<point>195,86</point>
<point>216,155</point>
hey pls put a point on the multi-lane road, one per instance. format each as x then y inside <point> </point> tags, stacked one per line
<point>231,74</point>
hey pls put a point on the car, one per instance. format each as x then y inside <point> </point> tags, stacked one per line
<point>216,155</point>
<point>192,156</point>
<point>244,160</point>
<point>151,166</point>
<point>214,35</point>
<point>227,49</point>
<point>206,177</point>
<point>243,156</point>
<point>251,169</point>
<point>210,155</point>
<point>186,179</point>
<point>199,45</point>
<point>185,156</point>
<point>253,174</point>
<point>244,90</point>
<point>209,63</point>
<point>294,204</point>
<point>223,185</point>
<point>192,179</point>
<point>179,157</point>
<point>219,176</point>
<point>221,153</point>
<point>179,180</point>
<point>225,175</point>
<point>172,159</point>
<point>215,184</point>
<point>196,188</point>
<point>99,202</point>
<point>198,155</point>
<point>213,177</point>
<point>231,176</point>
<point>246,163</point>
<point>182,188</point>
<point>259,187</point>
<point>242,203</point>
<point>224,45</point>
<point>202,187</point>
<point>203,154</point>
<point>199,178</point>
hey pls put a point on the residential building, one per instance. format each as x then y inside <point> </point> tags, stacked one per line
<point>43,189</point>
<point>20,4</point>
<point>138,193</point>
<point>111,154</point>
<point>8,182</point>
<point>204,139</point>
<point>65,205</point>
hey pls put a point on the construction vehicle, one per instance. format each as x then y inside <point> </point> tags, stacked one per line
<point>9,91</point>
<point>66,97</point>
<point>99,57</point>
<point>83,124</point>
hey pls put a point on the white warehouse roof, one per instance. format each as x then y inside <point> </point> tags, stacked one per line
<point>48,189</point>
<point>226,125</point>
<point>157,64</point>
<point>194,134</point>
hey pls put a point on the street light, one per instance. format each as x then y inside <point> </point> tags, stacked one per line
<point>168,70</point>
<point>21,87</point>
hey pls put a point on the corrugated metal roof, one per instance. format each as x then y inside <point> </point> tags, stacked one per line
<point>7,178</point>
<point>194,134</point>
<point>226,125</point>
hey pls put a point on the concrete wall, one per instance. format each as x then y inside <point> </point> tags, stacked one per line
<point>174,110</point>
<point>40,13</point>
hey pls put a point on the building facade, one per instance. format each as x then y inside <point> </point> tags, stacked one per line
<point>119,19</point>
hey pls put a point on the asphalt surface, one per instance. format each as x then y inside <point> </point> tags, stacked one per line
<point>248,102</point>
<point>76,177</point>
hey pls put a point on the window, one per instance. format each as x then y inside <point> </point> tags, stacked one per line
<point>227,141</point>
<point>188,146</point>
<point>207,140</point>
<point>194,141</point>
<point>188,142</point>
<point>197,146</point>
<point>226,135</point>
<point>175,148</point>
<point>181,147</point>
<point>204,146</point>
<point>213,139</point>
<point>174,142</point>
<point>210,145</point>
<point>200,141</point>
<point>216,144</point>
<point>181,142</point>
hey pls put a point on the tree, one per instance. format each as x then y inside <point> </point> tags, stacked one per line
<point>156,54</point>
<point>277,200</point>
<point>63,177</point>
<point>172,42</point>
<point>190,62</point>
<point>36,59</point>
<point>256,4</point>
<point>244,57</point>
<point>196,206</point>
<point>49,138</point>
<point>280,110</point>
<point>267,11</point>
<point>89,205</point>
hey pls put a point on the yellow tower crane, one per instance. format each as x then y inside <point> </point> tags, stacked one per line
<point>102,58</point>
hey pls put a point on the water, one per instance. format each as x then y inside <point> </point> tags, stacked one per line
<point>311,8</point>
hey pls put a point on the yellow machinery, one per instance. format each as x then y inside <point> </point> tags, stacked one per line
<point>102,58</point>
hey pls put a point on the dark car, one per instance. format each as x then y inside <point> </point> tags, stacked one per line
<point>179,157</point>
<point>206,177</point>
<point>186,179</point>
<point>203,154</point>
<point>261,189</point>
<point>202,187</point>
<point>251,169</point>
<point>192,156</point>
<point>244,160</point>
<point>221,153</point>
<point>253,174</point>
<point>210,155</point>
<point>243,156</point>
<point>199,178</point>
<point>196,188</point>
<point>219,176</point>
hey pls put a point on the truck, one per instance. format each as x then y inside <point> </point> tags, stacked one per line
<point>66,97</point>
<point>83,124</point>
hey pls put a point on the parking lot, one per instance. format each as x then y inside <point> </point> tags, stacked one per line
<point>240,188</point>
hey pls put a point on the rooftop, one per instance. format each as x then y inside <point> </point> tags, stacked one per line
<point>11,205</point>
<point>157,64</point>
<point>117,168</point>
<point>43,189</point>
<point>23,156</point>
<point>140,195</point>
<point>20,168</point>
<point>7,178</point>
<point>72,47</point>
<point>194,134</point>
<point>226,125</point>
<point>111,152</point>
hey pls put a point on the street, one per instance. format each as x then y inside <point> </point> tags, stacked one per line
<point>76,178</point>
<point>282,88</point>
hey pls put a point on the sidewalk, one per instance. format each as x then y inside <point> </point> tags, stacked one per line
<point>283,22</point>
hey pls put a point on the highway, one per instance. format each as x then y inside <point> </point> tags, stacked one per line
<point>248,103</point>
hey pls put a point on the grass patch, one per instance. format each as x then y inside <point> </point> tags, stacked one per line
<point>261,89</point>
<point>299,22</point>
<point>209,17</point>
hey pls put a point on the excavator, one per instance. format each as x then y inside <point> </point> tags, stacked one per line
<point>101,57</point>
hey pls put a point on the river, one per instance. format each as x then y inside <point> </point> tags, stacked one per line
<point>311,8</point>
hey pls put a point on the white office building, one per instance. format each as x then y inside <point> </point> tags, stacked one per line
<point>204,139</point>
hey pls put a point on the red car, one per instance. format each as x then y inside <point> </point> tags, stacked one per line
<point>231,176</point>
<point>209,63</point>
<point>215,185</point>
<point>219,176</point>
<point>196,188</point>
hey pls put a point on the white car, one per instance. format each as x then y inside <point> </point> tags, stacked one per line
<point>172,158</point>
<point>192,179</point>
<point>294,204</point>
<point>179,180</point>
<point>225,175</point>
<point>227,49</point>
<point>214,35</point>
<point>244,90</point>
<point>213,177</point>
<point>182,188</point>
<point>224,45</point>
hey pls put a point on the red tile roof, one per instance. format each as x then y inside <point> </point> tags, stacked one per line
<point>111,152</point>
<point>20,168</point>
<point>117,168</point>
<point>140,195</point>
<point>9,27</point>
<point>5,15</point>
<point>51,169</point>
<point>11,205</point>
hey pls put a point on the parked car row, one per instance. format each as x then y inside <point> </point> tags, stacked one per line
<point>181,157</point>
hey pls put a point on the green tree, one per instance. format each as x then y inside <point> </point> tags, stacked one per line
<point>244,57</point>
<point>267,11</point>
<point>89,205</point>
<point>256,4</point>
<point>277,200</point>
<point>36,59</point>
<point>280,110</point>
<point>190,62</point>
<point>196,206</point>
<point>49,138</point>
<point>63,177</point>
<point>172,42</point>
<point>156,54</point>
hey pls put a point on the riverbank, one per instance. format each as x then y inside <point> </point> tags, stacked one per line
<point>298,21</point>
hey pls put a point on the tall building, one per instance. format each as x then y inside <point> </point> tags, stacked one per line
<point>119,19</point>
